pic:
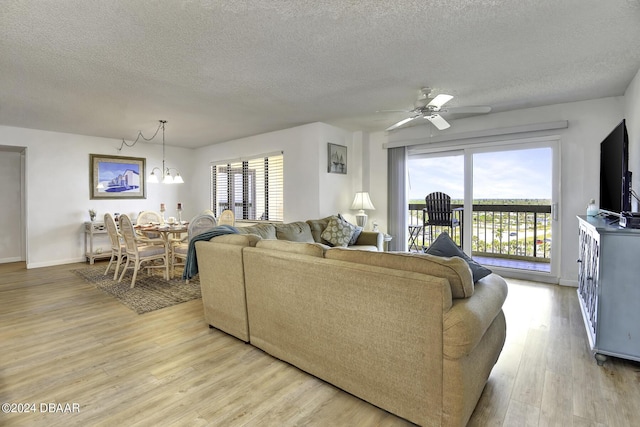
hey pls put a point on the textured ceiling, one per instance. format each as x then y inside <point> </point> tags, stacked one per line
<point>221,70</point>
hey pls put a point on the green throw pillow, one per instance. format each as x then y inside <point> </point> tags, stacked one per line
<point>444,246</point>
<point>338,232</point>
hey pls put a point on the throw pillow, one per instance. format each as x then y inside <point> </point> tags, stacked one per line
<point>355,236</point>
<point>444,246</point>
<point>294,232</point>
<point>317,227</point>
<point>338,232</point>
<point>356,233</point>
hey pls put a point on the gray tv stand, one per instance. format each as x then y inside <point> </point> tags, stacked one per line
<point>609,287</point>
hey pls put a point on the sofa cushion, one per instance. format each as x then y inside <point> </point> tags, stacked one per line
<point>317,226</point>
<point>455,269</point>
<point>338,232</point>
<point>266,231</point>
<point>238,239</point>
<point>294,232</point>
<point>445,247</point>
<point>303,248</point>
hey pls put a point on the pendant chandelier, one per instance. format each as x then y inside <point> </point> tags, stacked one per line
<point>165,172</point>
<point>167,178</point>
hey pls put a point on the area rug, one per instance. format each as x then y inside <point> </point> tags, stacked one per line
<point>151,292</point>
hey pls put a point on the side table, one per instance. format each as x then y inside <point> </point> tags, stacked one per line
<point>387,239</point>
<point>414,232</point>
<point>91,229</point>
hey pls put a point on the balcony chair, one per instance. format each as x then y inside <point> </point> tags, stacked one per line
<point>438,213</point>
<point>201,223</point>
<point>140,252</point>
<point>118,248</point>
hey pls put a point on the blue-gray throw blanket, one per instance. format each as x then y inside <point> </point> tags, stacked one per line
<point>191,263</point>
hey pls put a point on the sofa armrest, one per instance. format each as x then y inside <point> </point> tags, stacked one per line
<point>371,238</point>
<point>469,318</point>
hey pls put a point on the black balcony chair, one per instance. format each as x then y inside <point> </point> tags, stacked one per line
<point>438,213</point>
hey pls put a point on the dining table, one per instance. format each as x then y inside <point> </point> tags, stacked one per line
<point>169,234</point>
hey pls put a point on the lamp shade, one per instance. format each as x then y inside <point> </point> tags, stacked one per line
<point>168,179</point>
<point>362,201</point>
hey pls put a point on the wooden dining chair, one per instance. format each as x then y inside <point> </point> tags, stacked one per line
<point>118,248</point>
<point>150,217</point>
<point>139,252</point>
<point>199,224</point>
<point>227,217</point>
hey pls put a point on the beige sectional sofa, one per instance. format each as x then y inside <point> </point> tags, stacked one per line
<point>412,334</point>
<point>310,232</point>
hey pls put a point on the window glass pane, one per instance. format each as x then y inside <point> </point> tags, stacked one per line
<point>517,174</point>
<point>428,174</point>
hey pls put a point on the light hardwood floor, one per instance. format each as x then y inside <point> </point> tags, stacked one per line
<point>63,341</point>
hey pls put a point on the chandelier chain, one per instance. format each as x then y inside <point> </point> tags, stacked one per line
<point>141,136</point>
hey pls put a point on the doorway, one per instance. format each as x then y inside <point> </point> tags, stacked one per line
<point>508,195</point>
<point>12,214</point>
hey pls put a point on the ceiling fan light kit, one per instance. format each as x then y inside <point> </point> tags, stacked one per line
<point>423,108</point>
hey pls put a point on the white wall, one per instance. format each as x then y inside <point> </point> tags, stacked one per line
<point>310,192</point>
<point>57,189</point>
<point>589,122</point>
<point>336,191</point>
<point>376,180</point>
<point>57,171</point>
<point>11,242</point>
<point>632,115</point>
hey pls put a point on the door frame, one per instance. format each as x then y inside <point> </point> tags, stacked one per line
<point>468,148</point>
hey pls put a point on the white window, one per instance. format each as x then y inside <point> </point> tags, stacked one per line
<point>252,188</point>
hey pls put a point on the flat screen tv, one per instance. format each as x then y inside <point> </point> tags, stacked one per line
<point>615,178</point>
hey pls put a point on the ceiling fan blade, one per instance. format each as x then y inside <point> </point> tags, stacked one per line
<point>440,100</point>
<point>401,122</point>
<point>438,121</point>
<point>482,109</point>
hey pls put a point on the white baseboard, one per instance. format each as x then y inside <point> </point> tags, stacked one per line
<point>570,283</point>
<point>52,263</point>
<point>534,276</point>
<point>10,259</point>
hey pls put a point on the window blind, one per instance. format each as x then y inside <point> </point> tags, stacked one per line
<point>252,188</point>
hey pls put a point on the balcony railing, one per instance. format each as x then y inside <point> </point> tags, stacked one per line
<point>521,232</point>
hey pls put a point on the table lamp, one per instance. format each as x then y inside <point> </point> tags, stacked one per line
<point>362,201</point>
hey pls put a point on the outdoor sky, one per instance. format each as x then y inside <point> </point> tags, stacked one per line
<point>518,174</point>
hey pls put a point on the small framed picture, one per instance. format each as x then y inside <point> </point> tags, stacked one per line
<point>337,159</point>
<point>116,177</point>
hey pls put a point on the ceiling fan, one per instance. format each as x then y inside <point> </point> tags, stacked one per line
<point>428,107</point>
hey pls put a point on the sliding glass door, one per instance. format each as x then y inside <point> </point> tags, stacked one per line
<point>504,194</point>
<point>512,200</point>
<point>429,173</point>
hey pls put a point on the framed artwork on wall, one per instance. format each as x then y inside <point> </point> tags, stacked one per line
<point>117,177</point>
<point>337,158</point>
